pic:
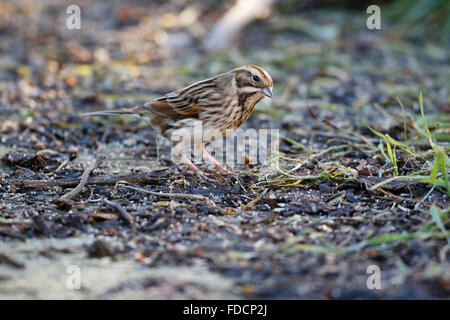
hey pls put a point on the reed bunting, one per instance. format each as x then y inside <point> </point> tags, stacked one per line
<point>221,103</point>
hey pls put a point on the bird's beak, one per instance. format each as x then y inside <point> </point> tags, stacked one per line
<point>267,92</point>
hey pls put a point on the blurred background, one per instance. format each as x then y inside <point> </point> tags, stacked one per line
<point>127,52</point>
<point>146,47</point>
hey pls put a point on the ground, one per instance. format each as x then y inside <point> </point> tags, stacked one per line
<point>361,180</point>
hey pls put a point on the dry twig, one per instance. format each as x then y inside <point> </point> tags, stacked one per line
<point>84,178</point>
<point>170,195</point>
<point>124,214</point>
<point>72,182</point>
<point>347,133</point>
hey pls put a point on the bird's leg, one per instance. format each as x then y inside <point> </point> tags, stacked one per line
<point>196,170</point>
<point>214,161</point>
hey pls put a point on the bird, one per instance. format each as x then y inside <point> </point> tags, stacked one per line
<point>221,104</point>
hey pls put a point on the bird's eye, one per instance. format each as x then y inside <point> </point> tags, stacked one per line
<point>255,78</point>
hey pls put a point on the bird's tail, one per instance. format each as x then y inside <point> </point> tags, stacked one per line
<point>122,112</point>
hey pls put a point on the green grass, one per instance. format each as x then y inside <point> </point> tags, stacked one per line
<point>431,165</point>
<point>438,171</point>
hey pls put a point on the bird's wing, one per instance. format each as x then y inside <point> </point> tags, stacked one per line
<point>187,102</point>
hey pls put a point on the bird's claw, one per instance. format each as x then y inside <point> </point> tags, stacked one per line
<point>229,173</point>
<point>202,176</point>
<point>223,171</point>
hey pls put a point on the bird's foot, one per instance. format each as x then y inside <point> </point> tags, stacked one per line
<point>219,167</point>
<point>223,171</point>
<point>201,175</point>
<point>196,171</point>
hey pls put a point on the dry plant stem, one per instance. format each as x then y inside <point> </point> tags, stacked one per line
<point>4,259</point>
<point>170,195</point>
<point>123,213</point>
<point>84,179</point>
<point>391,196</point>
<point>347,133</point>
<point>383,111</point>
<point>71,182</point>
<point>62,165</point>
<point>251,203</point>
<point>5,233</point>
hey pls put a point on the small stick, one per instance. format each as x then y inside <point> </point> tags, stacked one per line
<point>391,196</point>
<point>12,235</point>
<point>4,259</point>
<point>383,111</point>
<point>84,179</point>
<point>128,217</point>
<point>177,195</point>
<point>71,182</point>
<point>348,133</point>
<point>251,203</point>
<point>62,165</point>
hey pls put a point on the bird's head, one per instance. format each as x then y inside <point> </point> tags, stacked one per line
<point>253,82</point>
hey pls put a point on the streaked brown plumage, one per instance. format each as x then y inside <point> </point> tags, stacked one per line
<point>223,102</point>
